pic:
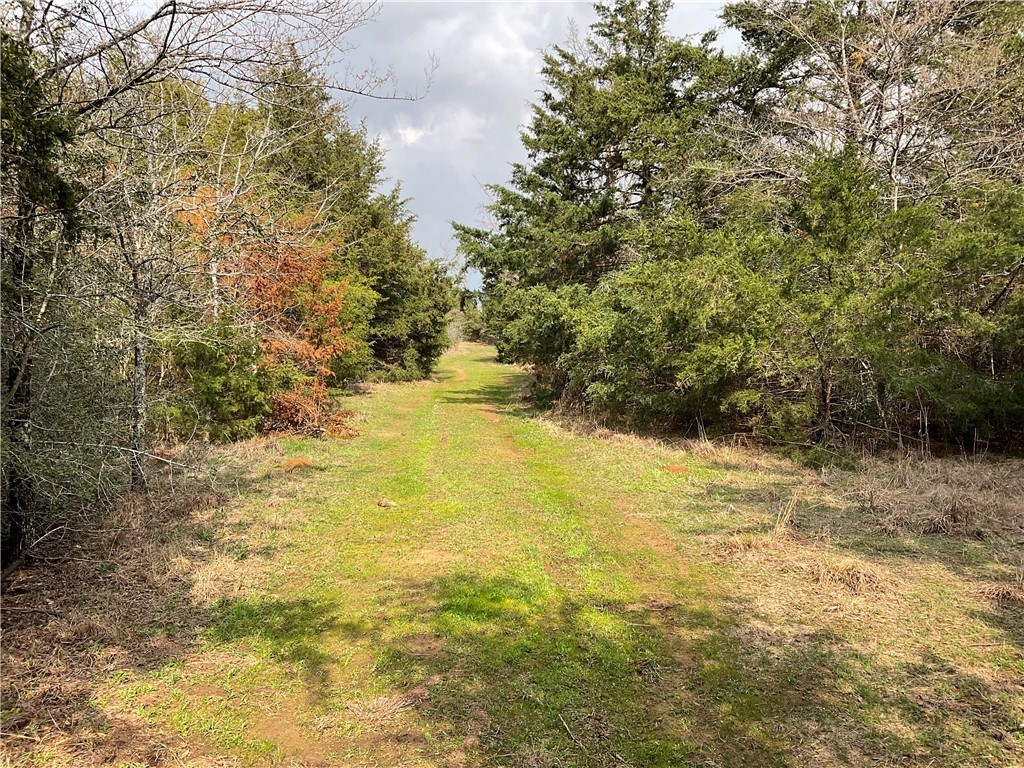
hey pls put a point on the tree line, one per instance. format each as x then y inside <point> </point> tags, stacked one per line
<point>197,242</point>
<point>816,238</point>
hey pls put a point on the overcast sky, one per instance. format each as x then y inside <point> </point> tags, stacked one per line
<point>464,132</point>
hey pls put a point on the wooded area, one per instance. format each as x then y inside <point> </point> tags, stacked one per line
<point>770,280</point>
<point>195,244</point>
<point>817,239</point>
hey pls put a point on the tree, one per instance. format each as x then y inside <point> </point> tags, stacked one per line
<point>927,94</point>
<point>40,221</point>
<point>815,238</point>
<point>114,282</point>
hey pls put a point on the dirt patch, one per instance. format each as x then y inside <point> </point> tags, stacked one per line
<point>283,728</point>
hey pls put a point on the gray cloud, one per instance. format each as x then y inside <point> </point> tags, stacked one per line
<point>464,132</point>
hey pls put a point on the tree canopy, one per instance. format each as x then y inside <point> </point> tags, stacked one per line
<point>817,238</point>
<point>198,244</point>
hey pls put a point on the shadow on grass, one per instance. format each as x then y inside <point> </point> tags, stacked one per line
<point>110,607</point>
<point>291,631</point>
<point>499,397</point>
<point>520,674</point>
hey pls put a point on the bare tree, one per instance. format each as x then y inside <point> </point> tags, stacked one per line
<point>928,92</point>
<point>119,75</point>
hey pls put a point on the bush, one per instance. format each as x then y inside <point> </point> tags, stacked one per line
<point>223,390</point>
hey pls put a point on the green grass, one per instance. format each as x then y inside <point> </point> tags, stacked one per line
<point>540,598</point>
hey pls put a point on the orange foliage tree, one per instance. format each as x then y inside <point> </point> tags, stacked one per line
<point>308,311</point>
<point>284,278</point>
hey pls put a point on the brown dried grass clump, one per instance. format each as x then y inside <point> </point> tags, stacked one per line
<point>383,709</point>
<point>748,542</point>
<point>732,455</point>
<point>961,497</point>
<point>858,576</point>
<point>1004,593</point>
<point>779,535</point>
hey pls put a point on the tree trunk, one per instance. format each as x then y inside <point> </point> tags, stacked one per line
<point>140,347</point>
<point>826,401</point>
<point>215,287</point>
<point>19,488</point>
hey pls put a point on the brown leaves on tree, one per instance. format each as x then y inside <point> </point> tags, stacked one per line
<point>289,284</point>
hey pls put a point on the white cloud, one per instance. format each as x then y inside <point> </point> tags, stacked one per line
<point>409,135</point>
<point>443,130</point>
<point>464,132</point>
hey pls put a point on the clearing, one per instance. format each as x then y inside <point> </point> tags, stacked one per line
<point>467,583</point>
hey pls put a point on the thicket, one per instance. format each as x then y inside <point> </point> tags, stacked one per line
<point>819,238</point>
<point>197,243</point>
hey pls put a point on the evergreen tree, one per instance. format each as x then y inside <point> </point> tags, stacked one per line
<point>810,239</point>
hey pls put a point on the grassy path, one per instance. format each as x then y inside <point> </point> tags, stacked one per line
<point>509,606</point>
<point>463,585</point>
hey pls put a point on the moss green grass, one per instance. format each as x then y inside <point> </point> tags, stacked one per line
<point>535,597</point>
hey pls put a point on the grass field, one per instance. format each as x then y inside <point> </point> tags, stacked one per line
<point>467,583</point>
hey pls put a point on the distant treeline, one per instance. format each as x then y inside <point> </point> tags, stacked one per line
<point>195,244</point>
<point>818,238</point>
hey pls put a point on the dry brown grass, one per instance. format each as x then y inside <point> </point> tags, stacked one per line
<point>784,548</point>
<point>258,448</point>
<point>740,543</point>
<point>858,576</point>
<point>962,497</point>
<point>733,454</point>
<point>1003,593</point>
<point>778,537</point>
<point>85,607</point>
<point>736,453</point>
<point>382,710</point>
<point>69,622</point>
